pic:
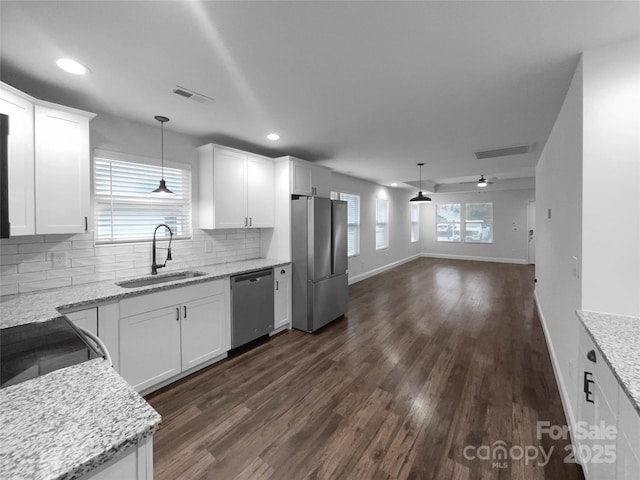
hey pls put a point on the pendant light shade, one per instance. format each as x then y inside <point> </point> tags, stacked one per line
<point>420,198</point>
<point>162,189</point>
<point>482,182</point>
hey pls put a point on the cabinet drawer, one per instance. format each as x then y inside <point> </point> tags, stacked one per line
<point>175,296</point>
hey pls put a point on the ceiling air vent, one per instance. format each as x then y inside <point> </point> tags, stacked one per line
<point>191,95</point>
<point>502,152</point>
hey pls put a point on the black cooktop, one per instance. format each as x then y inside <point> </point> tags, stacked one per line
<point>34,349</point>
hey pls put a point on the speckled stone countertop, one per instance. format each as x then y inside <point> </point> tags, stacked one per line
<point>70,421</point>
<point>618,339</point>
<point>43,306</point>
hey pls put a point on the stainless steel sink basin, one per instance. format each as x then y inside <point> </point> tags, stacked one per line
<point>167,277</point>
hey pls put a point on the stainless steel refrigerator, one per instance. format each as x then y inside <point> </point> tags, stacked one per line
<point>319,254</point>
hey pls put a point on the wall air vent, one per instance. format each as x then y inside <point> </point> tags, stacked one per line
<point>191,95</point>
<point>502,152</point>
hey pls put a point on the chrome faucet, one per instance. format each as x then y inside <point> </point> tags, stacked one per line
<point>154,265</point>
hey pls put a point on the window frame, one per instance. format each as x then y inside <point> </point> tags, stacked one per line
<point>382,224</point>
<point>414,225</point>
<point>353,225</point>
<point>489,239</point>
<point>450,223</point>
<point>103,204</point>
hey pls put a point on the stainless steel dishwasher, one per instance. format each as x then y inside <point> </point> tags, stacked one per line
<point>251,306</point>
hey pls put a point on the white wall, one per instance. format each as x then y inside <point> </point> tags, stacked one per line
<point>509,224</point>
<point>559,238</point>
<point>611,188</point>
<point>370,260</point>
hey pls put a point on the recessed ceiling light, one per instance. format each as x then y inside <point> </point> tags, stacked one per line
<point>71,66</point>
<point>273,137</point>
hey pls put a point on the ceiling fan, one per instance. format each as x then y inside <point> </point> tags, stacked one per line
<point>481,182</point>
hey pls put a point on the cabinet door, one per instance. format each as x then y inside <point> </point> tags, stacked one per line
<point>150,347</point>
<point>229,189</point>
<point>320,180</point>
<point>282,296</point>
<point>628,440</point>
<point>260,192</point>
<point>204,330</point>
<point>86,319</point>
<point>21,162</point>
<point>61,171</point>
<point>301,179</point>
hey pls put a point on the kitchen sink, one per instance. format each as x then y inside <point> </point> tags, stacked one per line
<point>167,277</point>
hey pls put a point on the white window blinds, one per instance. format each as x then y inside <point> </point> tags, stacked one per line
<point>126,211</point>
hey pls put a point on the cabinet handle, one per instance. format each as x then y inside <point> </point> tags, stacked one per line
<point>283,271</point>
<point>86,224</point>
<point>245,221</point>
<point>177,314</point>
<point>250,221</point>
<point>185,311</point>
<point>591,356</point>
<point>277,285</point>
<point>588,394</point>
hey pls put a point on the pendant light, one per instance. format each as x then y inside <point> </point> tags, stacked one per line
<point>162,189</point>
<point>482,182</point>
<point>420,198</point>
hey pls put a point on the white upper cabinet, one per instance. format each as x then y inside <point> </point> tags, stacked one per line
<point>62,162</point>
<point>309,180</point>
<point>236,189</point>
<point>49,165</point>
<point>21,165</point>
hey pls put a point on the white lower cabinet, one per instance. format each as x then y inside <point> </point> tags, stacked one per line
<point>166,333</point>
<point>282,297</point>
<point>611,449</point>
<point>150,347</point>
<point>135,463</point>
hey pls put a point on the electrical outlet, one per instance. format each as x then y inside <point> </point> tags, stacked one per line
<point>59,259</point>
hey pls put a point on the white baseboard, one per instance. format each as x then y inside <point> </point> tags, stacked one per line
<point>562,387</point>
<point>521,261</point>
<point>376,271</point>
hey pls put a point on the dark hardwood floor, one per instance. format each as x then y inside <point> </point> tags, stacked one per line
<point>436,363</point>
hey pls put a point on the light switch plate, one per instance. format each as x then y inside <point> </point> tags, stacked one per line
<point>59,259</point>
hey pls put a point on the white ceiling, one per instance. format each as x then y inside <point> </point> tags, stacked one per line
<point>367,88</point>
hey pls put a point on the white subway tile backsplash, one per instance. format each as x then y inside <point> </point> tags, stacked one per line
<point>18,259</point>
<point>43,247</point>
<point>43,285</point>
<point>81,262</point>
<point>96,277</point>
<point>26,262</point>
<point>8,249</point>
<point>69,272</point>
<point>34,267</point>
<point>9,289</point>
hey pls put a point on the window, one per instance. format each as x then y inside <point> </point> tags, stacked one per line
<point>479,222</point>
<point>415,222</point>
<point>448,222</point>
<point>353,221</point>
<point>126,211</point>
<point>382,223</point>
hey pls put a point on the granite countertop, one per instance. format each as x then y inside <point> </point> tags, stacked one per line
<point>46,305</point>
<point>70,421</point>
<point>618,339</point>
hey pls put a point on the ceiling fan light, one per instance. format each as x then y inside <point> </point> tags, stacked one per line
<point>482,182</point>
